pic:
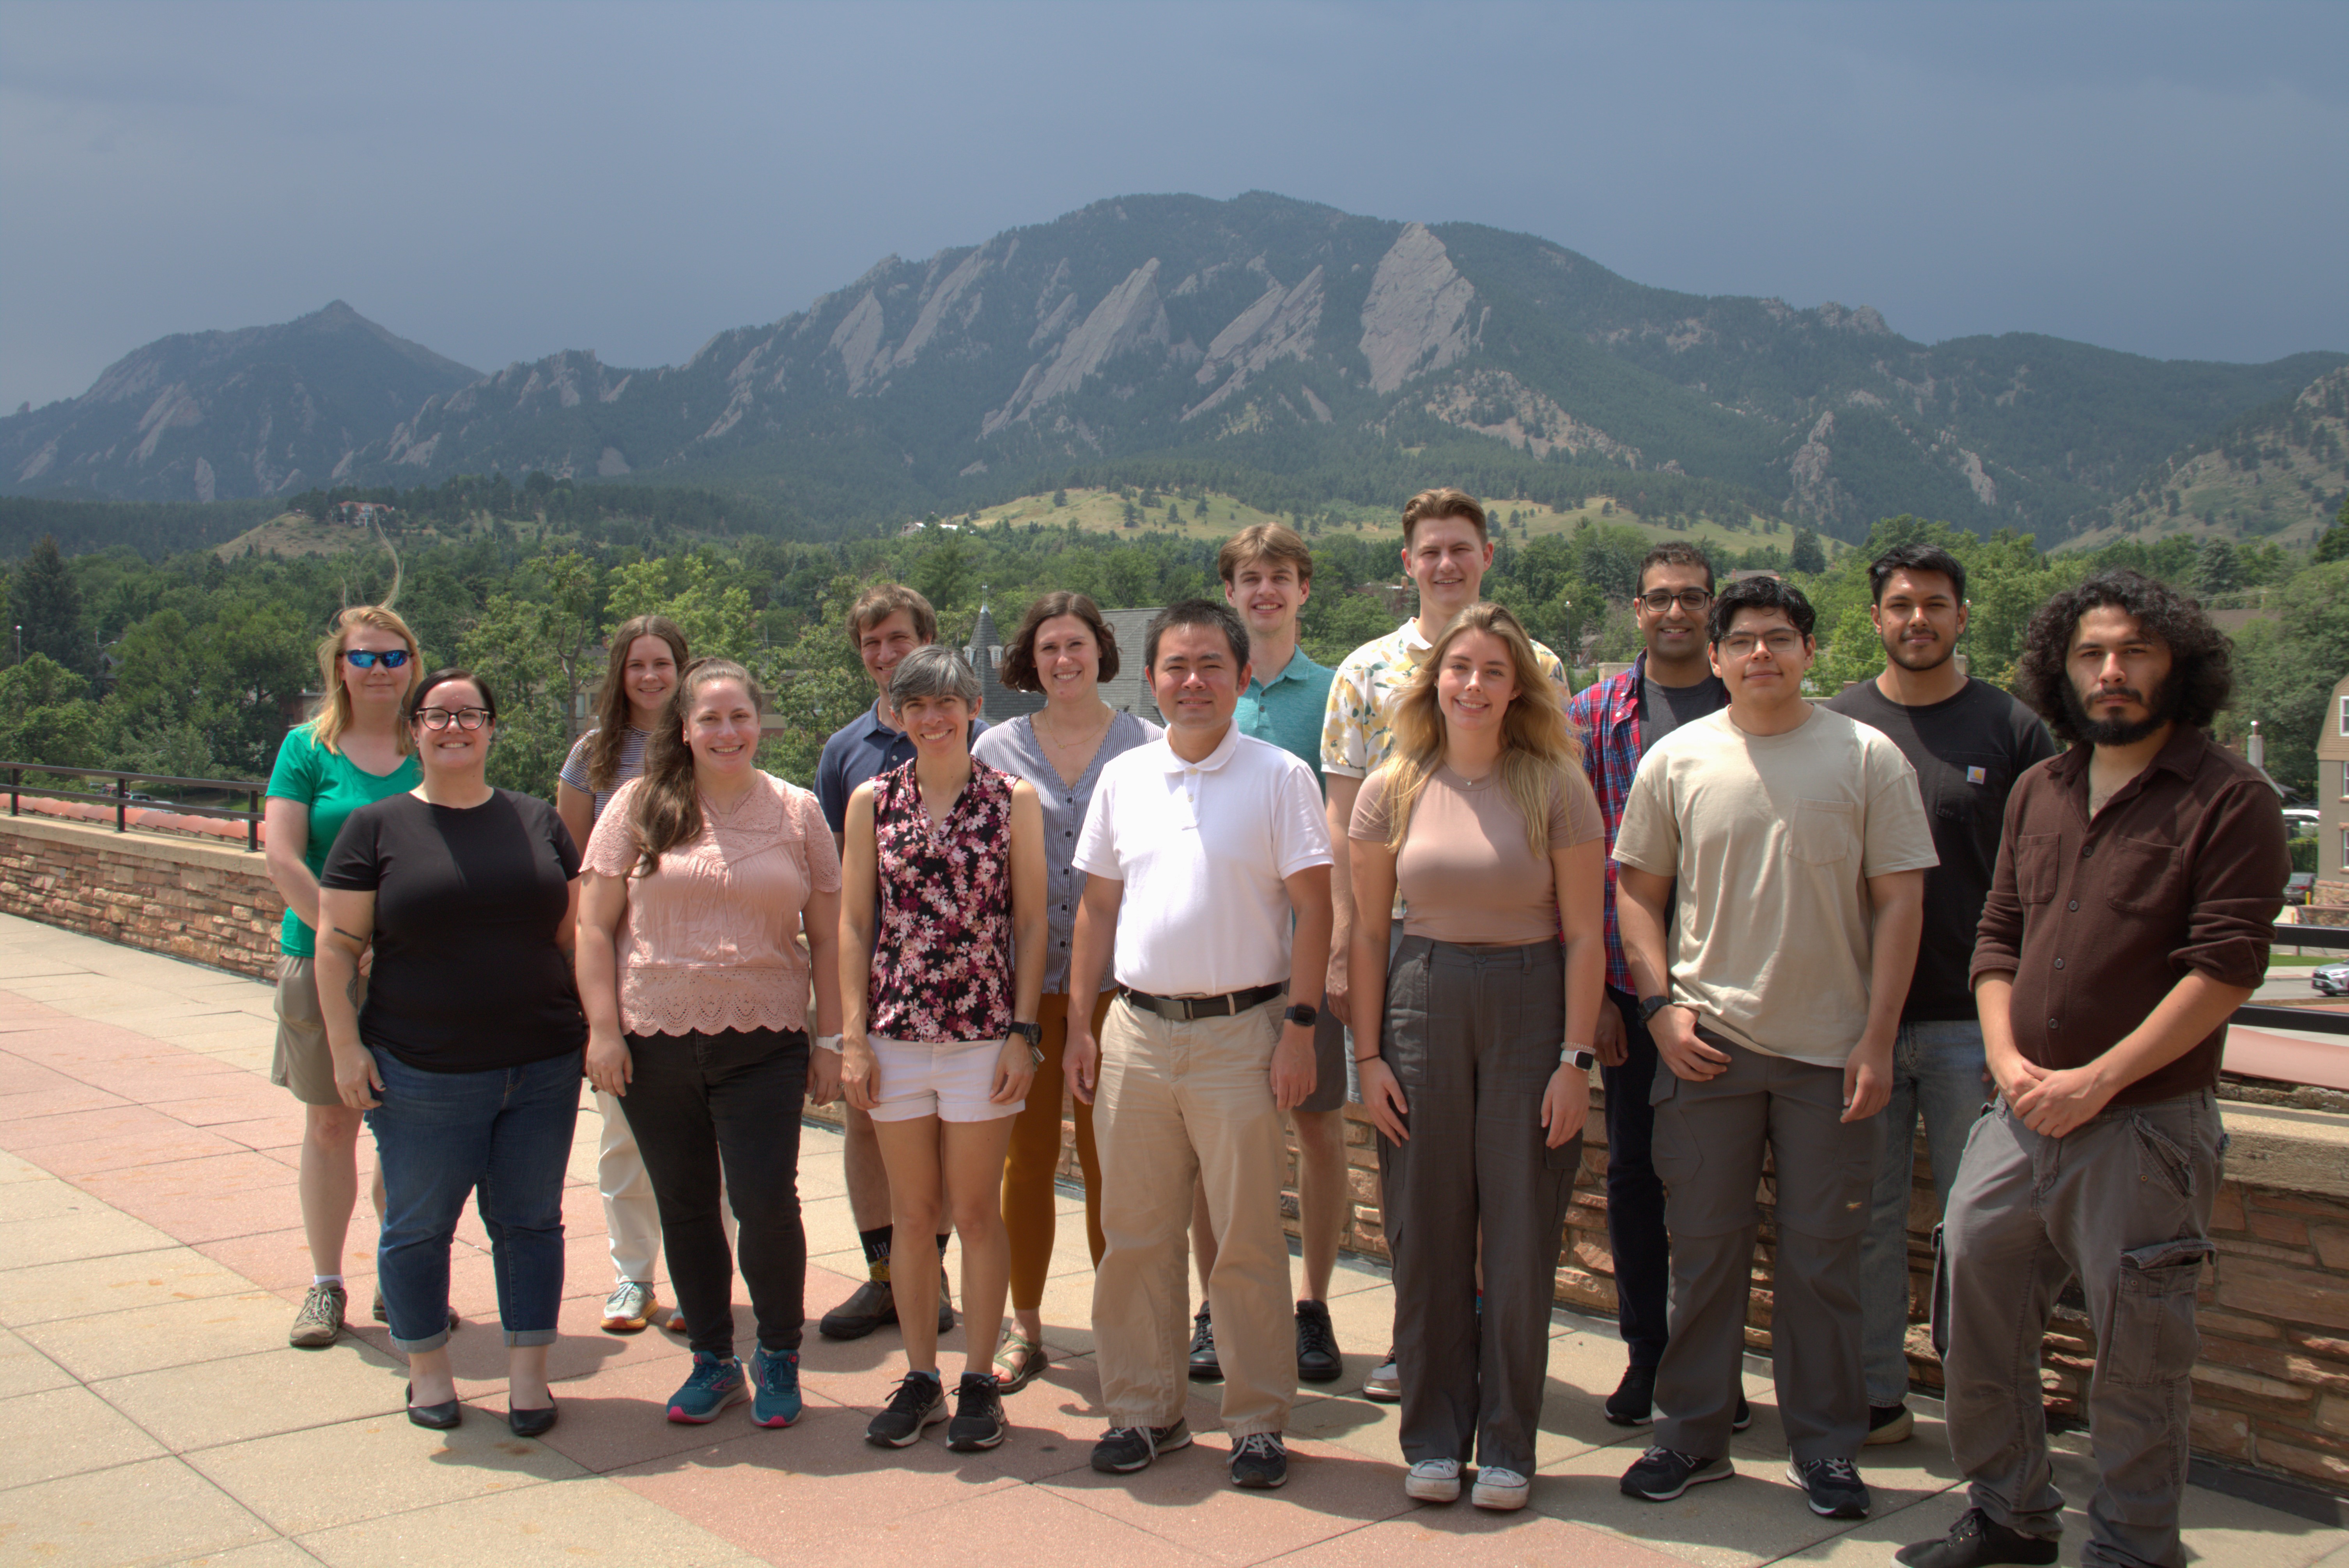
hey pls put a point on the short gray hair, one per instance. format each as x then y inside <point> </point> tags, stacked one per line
<point>932,671</point>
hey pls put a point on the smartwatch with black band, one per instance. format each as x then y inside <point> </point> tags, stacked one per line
<point>1299,1013</point>
<point>1651,1006</point>
<point>1034,1035</point>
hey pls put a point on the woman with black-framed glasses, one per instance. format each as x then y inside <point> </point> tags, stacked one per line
<point>466,1056</point>
<point>353,752</point>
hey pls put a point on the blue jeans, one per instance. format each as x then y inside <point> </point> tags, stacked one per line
<point>1937,1077</point>
<point>440,1136</point>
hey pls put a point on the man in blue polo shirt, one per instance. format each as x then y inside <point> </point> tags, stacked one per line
<point>888,622</point>
<point>1267,574</point>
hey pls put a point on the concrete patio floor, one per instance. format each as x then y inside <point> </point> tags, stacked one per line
<point>150,1261</point>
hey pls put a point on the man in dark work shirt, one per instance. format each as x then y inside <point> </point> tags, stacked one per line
<point>2138,884</point>
<point>1671,684</point>
<point>1969,742</point>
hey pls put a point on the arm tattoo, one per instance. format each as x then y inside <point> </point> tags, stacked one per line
<point>354,936</point>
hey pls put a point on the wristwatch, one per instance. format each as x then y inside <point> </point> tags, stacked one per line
<point>1299,1013</point>
<point>1572,1055</point>
<point>1033,1033</point>
<point>1651,1006</point>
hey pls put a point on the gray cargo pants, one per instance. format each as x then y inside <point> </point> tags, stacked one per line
<point>2123,1202</point>
<point>1710,1138</point>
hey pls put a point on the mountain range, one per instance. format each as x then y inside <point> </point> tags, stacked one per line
<point>1259,338</point>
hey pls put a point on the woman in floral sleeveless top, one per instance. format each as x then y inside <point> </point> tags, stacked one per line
<point>945,856</point>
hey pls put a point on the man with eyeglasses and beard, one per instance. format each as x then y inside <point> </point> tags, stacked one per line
<point>2138,884</point>
<point>1969,742</point>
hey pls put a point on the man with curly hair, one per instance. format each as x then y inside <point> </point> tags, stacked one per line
<point>2136,888</point>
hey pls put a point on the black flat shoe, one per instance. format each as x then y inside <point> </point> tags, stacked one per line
<point>531,1423</point>
<point>440,1417</point>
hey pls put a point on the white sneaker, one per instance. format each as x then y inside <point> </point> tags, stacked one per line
<point>1434,1480</point>
<point>1499,1489</point>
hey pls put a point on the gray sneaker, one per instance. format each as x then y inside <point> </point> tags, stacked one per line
<point>320,1322</point>
<point>1385,1382</point>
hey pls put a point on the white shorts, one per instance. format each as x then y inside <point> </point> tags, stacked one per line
<point>950,1081</point>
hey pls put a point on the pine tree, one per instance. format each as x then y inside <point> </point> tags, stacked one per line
<point>44,601</point>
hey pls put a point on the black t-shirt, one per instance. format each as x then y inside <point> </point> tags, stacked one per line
<point>1967,752</point>
<point>1664,708</point>
<point>469,904</point>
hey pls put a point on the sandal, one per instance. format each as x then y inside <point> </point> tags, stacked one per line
<point>1033,1362</point>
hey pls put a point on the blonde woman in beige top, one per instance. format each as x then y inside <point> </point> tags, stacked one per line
<point>701,878</point>
<point>1477,1069</point>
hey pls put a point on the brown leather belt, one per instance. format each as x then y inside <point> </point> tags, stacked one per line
<point>1188,1009</point>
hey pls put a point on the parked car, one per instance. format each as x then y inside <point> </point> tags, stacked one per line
<point>2298,886</point>
<point>2330,979</point>
<point>2302,820</point>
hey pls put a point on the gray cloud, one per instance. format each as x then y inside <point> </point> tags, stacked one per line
<point>501,181</point>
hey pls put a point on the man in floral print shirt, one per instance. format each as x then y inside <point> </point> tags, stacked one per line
<point>1445,550</point>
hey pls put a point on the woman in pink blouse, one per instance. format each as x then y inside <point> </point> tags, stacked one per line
<point>945,857</point>
<point>700,879</point>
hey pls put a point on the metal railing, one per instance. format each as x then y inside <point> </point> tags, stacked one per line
<point>2309,1020</point>
<point>121,799</point>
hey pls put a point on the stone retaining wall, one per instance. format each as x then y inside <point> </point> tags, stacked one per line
<point>2271,1391</point>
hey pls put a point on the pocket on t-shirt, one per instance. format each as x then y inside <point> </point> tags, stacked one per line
<point>1823,832</point>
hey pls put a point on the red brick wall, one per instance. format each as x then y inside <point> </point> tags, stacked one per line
<point>193,900</point>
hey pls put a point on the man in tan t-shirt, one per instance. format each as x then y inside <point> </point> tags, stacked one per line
<point>1799,845</point>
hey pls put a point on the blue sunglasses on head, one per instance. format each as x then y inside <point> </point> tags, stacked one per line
<point>365,659</point>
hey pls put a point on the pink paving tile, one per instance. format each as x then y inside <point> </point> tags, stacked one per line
<point>20,1075</point>
<point>162,1142</point>
<point>245,1101</point>
<point>58,1097</point>
<point>861,1514</point>
<point>271,1133</point>
<point>1459,1532</point>
<point>619,1419</point>
<point>27,1134</point>
<point>235,1193</point>
<point>775,1492</point>
<point>279,1260</point>
<point>1188,1497</point>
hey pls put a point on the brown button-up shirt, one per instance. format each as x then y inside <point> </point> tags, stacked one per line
<point>2098,920</point>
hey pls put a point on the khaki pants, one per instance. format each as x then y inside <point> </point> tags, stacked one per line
<point>2123,1202</point>
<point>1177,1103</point>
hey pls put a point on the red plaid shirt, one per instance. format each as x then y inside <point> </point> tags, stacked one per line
<point>1608,714</point>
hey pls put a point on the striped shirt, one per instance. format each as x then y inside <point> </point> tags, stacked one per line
<point>631,762</point>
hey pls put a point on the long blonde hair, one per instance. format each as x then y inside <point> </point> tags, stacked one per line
<point>1538,743</point>
<point>333,711</point>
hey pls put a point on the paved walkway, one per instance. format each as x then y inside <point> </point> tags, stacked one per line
<point>151,1413</point>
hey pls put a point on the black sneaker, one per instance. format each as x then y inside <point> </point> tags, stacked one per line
<point>1633,1403</point>
<point>1261,1462</point>
<point>1889,1424</point>
<point>1662,1474</point>
<point>1745,1417</point>
<point>979,1420</point>
<point>1124,1449</point>
<point>1319,1359</point>
<point>1833,1487</point>
<point>945,1302</point>
<point>871,1307</point>
<point>1205,1367</point>
<point>1975,1539</point>
<point>919,1402</point>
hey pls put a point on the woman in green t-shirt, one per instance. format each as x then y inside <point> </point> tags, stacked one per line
<point>353,752</point>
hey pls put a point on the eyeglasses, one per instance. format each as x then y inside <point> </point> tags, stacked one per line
<point>1781,645</point>
<point>462,717</point>
<point>368,659</point>
<point>1693,600</point>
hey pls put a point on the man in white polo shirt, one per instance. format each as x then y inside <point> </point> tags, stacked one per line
<point>1198,851</point>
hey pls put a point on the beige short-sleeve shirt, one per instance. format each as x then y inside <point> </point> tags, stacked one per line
<point>1772,838</point>
<point>1466,871</point>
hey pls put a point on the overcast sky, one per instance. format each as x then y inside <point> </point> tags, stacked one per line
<point>501,181</point>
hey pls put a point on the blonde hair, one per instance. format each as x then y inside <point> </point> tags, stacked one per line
<point>1538,743</point>
<point>333,711</point>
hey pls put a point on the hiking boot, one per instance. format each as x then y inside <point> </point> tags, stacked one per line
<point>776,1380</point>
<point>1205,1367</point>
<point>710,1387</point>
<point>1121,1450</point>
<point>871,1307</point>
<point>1261,1462</point>
<point>1832,1487</point>
<point>320,1322</point>
<point>1662,1474</point>
<point>979,1420</point>
<point>1633,1403</point>
<point>1975,1540</point>
<point>1319,1359</point>
<point>919,1402</point>
<point>630,1308</point>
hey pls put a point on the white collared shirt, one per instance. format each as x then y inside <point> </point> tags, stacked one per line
<point>1203,850</point>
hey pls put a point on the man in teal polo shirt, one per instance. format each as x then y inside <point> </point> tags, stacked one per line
<point>1268,575</point>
